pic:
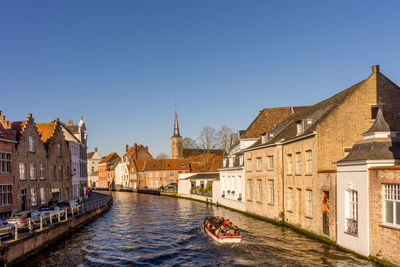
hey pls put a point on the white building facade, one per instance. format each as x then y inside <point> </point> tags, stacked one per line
<point>232,181</point>
<point>93,159</point>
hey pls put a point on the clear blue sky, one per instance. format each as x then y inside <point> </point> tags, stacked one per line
<point>124,65</point>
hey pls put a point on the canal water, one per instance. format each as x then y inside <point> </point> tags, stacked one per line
<point>151,230</point>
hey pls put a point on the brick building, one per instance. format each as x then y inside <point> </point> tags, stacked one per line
<point>135,152</point>
<point>368,190</point>
<point>307,144</point>
<point>158,173</point>
<point>106,169</point>
<point>8,193</point>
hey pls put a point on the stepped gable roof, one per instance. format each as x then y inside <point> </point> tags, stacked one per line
<point>162,164</point>
<point>110,157</point>
<point>18,127</point>
<point>132,150</point>
<point>187,152</point>
<point>267,119</point>
<point>46,130</point>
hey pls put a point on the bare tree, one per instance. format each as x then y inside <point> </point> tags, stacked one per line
<point>162,155</point>
<point>189,143</point>
<point>224,138</point>
<point>208,138</point>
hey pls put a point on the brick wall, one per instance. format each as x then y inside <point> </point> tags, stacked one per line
<point>384,241</point>
<point>8,178</point>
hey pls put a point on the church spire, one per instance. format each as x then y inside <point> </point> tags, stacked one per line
<point>176,126</point>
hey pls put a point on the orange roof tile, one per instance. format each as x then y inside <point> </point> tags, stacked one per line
<point>110,157</point>
<point>46,130</point>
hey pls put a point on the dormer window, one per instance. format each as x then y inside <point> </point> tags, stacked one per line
<point>299,127</point>
<point>374,111</point>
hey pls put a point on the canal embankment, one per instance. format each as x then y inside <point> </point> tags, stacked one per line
<point>26,245</point>
<point>282,223</point>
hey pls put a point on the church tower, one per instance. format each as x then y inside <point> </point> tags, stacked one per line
<point>176,141</point>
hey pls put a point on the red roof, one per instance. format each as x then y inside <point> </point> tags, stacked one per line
<point>161,164</point>
<point>46,130</point>
<point>110,157</point>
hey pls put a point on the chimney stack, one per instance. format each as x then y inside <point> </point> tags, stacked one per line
<point>375,69</point>
<point>70,123</point>
<point>126,148</point>
<point>147,149</point>
<point>95,149</point>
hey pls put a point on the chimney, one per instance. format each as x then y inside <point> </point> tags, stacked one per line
<point>147,149</point>
<point>57,120</point>
<point>126,148</point>
<point>95,149</point>
<point>375,69</point>
<point>70,123</point>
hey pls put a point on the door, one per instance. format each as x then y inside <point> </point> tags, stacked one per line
<point>325,212</point>
<point>23,199</point>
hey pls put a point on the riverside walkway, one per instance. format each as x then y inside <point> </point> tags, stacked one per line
<point>52,227</point>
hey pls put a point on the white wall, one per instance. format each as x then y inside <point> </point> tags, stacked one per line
<point>354,177</point>
<point>232,180</point>
<point>184,183</point>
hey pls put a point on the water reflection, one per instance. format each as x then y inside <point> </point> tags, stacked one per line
<point>157,230</point>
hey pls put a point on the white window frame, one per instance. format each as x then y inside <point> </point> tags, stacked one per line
<point>391,194</point>
<point>298,163</point>
<point>33,197</point>
<point>249,165</point>
<point>31,142</point>
<point>351,222</point>
<point>32,171</point>
<point>258,164</point>
<point>22,171</point>
<point>271,192</point>
<point>43,195</point>
<point>309,203</point>
<point>270,163</point>
<point>309,162</point>
<point>250,188</point>
<point>289,164</point>
<point>259,190</point>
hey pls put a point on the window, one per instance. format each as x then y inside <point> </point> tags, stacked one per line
<point>392,204</point>
<point>171,174</point>
<point>352,212</point>
<point>290,199</point>
<point>60,171</point>
<point>5,162</point>
<point>43,195</point>
<point>298,163</point>
<point>271,193</point>
<point>31,144</point>
<point>258,164</point>
<point>33,197</point>
<point>374,112</point>
<point>289,164</point>
<point>5,195</point>
<point>249,165</point>
<point>309,203</point>
<point>22,171</point>
<point>59,150</point>
<point>42,172</point>
<point>54,172</point>
<point>33,171</point>
<point>151,175</point>
<point>250,184</point>
<point>299,127</point>
<point>309,162</point>
<point>270,163</point>
<point>165,174</point>
<point>260,194</point>
<point>156,174</point>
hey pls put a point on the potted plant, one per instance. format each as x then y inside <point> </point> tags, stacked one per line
<point>233,192</point>
<point>229,191</point>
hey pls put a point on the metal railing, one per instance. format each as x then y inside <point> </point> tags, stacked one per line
<point>352,226</point>
<point>53,218</point>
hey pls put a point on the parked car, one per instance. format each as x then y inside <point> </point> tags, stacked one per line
<point>68,205</point>
<point>47,210</point>
<point>6,229</point>
<point>21,219</point>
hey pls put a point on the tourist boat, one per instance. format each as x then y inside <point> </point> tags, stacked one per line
<point>223,239</point>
